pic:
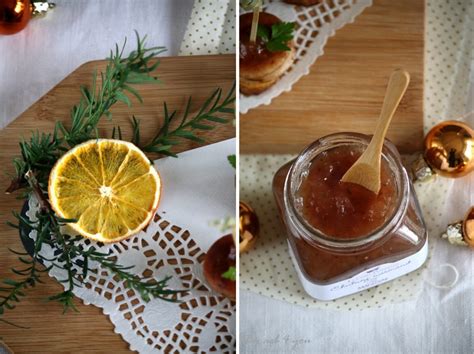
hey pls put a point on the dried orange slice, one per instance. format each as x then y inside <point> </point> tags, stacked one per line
<point>108,186</point>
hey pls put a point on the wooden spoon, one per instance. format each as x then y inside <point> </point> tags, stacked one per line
<point>366,170</point>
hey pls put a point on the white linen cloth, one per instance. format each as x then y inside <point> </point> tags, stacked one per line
<point>439,320</point>
<point>34,60</point>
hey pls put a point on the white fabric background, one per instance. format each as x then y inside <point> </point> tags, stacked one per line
<point>439,320</point>
<point>76,31</point>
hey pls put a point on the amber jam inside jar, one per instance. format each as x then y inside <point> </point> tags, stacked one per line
<point>343,238</point>
<point>339,209</point>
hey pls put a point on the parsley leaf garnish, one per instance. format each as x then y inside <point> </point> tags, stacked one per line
<point>232,160</point>
<point>276,37</point>
<point>230,274</point>
<point>263,32</point>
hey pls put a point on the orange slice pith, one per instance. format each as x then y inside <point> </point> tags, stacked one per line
<point>108,186</point>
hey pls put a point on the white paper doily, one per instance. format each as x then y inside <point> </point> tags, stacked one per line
<point>172,245</point>
<point>315,24</point>
<point>267,268</point>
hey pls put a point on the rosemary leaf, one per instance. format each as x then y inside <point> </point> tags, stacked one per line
<point>209,112</point>
<point>38,156</point>
<point>41,151</point>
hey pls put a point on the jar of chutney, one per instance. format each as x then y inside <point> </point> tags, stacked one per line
<point>342,237</point>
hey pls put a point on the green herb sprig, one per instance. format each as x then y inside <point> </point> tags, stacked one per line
<point>42,150</point>
<point>210,112</point>
<point>147,289</point>
<point>232,160</point>
<point>230,274</point>
<point>277,36</point>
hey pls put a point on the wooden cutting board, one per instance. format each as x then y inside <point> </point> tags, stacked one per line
<point>345,88</point>
<point>90,330</point>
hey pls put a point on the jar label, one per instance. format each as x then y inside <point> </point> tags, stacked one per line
<point>367,279</point>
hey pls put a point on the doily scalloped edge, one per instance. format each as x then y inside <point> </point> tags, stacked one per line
<point>358,9</point>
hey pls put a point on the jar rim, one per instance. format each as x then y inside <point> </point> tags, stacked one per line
<point>312,234</point>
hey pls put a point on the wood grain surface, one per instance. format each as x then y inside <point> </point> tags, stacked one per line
<point>50,331</point>
<point>345,88</point>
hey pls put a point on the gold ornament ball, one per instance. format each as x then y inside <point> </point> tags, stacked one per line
<point>449,149</point>
<point>249,227</point>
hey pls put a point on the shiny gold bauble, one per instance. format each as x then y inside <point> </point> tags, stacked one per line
<point>468,228</point>
<point>249,227</point>
<point>449,149</point>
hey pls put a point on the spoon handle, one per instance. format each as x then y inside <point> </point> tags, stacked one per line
<point>366,170</point>
<point>396,88</point>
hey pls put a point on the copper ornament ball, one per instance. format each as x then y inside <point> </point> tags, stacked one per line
<point>449,149</point>
<point>249,227</point>
<point>14,15</point>
<point>219,258</point>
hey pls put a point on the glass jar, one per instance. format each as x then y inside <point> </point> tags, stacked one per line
<point>331,267</point>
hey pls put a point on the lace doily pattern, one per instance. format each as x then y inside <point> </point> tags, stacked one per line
<point>201,321</point>
<point>314,25</point>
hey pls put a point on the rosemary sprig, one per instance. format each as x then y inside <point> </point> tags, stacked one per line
<point>41,152</point>
<point>38,156</point>
<point>13,290</point>
<point>71,258</point>
<point>205,119</point>
<point>116,81</point>
<point>147,289</point>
